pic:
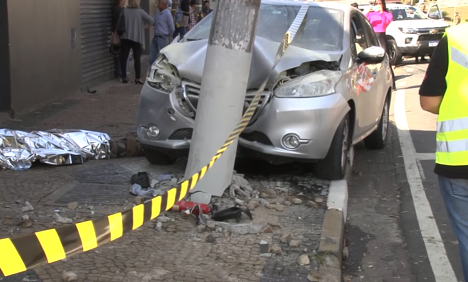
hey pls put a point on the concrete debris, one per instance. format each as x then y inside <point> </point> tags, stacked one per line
<point>210,239</point>
<point>246,228</point>
<point>275,224</point>
<point>324,192</point>
<point>25,217</point>
<point>303,260</point>
<point>72,206</point>
<point>159,225</point>
<point>318,199</point>
<point>264,247</point>
<point>286,238</point>
<point>312,204</point>
<point>138,200</point>
<point>227,233</point>
<point>219,229</point>
<point>201,228</point>
<point>297,201</point>
<point>240,181</point>
<point>211,226</point>
<point>163,219</point>
<point>276,249</point>
<point>313,277</point>
<point>266,255</point>
<point>294,243</point>
<point>263,202</point>
<point>345,253</point>
<point>27,207</point>
<point>25,223</point>
<point>62,219</point>
<point>267,229</point>
<point>235,190</point>
<point>69,276</point>
<point>253,204</point>
<point>239,202</point>
<point>287,203</point>
<point>279,208</point>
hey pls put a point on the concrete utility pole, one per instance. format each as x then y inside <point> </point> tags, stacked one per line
<point>222,95</point>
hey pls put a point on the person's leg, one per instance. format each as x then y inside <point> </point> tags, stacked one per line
<point>176,32</point>
<point>182,31</point>
<point>162,42</point>
<point>455,195</point>
<point>126,45</point>
<point>137,59</point>
<point>118,69</point>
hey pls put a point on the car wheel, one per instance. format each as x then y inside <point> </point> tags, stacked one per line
<point>333,167</point>
<point>158,158</point>
<point>394,53</point>
<point>378,139</point>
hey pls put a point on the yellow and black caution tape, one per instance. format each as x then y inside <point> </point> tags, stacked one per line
<point>48,246</point>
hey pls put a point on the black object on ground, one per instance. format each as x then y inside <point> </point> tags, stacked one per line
<point>141,178</point>
<point>231,213</point>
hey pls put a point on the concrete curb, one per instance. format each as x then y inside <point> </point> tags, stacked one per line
<point>331,240</point>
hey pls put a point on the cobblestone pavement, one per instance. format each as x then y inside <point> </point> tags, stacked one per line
<point>176,252</point>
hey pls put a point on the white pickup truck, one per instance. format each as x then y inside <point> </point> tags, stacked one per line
<point>412,32</point>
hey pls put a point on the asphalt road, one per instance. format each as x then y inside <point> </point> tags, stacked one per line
<point>397,227</point>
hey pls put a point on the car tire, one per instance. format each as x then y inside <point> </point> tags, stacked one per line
<point>158,158</point>
<point>395,54</point>
<point>378,139</point>
<point>333,167</point>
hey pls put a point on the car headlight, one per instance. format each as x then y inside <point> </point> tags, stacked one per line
<point>408,30</point>
<point>162,76</point>
<point>319,83</point>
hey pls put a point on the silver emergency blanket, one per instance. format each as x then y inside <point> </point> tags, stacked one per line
<point>19,149</point>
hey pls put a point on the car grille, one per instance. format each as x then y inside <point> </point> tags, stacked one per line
<point>192,92</point>
<point>182,134</point>
<point>257,137</point>
<point>429,37</point>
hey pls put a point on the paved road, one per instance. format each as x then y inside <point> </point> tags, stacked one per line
<point>398,229</point>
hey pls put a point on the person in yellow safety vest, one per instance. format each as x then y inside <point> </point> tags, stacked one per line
<point>444,91</point>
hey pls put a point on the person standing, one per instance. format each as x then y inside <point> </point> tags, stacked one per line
<point>444,92</point>
<point>117,8</point>
<point>206,10</point>
<point>193,18</point>
<point>133,38</point>
<point>380,19</point>
<point>163,28</point>
<point>456,19</point>
<point>182,19</point>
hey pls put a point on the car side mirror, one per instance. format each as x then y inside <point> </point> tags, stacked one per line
<point>371,55</point>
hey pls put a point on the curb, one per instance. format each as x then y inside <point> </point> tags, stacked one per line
<point>331,240</point>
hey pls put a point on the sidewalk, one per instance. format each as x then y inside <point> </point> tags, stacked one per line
<point>288,215</point>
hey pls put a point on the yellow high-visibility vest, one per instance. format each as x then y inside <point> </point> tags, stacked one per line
<point>452,123</point>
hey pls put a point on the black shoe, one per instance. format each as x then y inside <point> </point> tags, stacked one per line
<point>124,80</point>
<point>138,81</point>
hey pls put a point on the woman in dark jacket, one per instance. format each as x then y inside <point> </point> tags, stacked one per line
<point>116,10</point>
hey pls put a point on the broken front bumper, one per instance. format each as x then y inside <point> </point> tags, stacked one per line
<point>312,120</point>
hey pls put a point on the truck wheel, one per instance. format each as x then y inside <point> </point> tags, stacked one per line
<point>333,167</point>
<point>378,139</point>
<point>158,158</point>
<point>394,52</point>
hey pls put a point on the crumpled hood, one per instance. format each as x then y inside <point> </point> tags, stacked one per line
<point>189,59</point>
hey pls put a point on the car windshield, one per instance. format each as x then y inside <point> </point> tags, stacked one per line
<point>323,28</point>
<point>406,13</point>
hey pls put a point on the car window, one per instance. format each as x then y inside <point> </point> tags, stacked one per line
<point>406,13</point>
<point>322,30</point>
<point>358,35</point>
<point>369,32</point>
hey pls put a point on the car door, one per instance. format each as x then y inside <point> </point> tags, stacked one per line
<point>434,12</point>
<point>362,79</point>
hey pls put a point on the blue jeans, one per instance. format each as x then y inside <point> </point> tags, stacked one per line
<point>180,30</point>
<point>157,44</point>
<point>455,195</point>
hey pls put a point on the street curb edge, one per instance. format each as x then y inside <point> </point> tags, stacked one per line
<point>332,236</point>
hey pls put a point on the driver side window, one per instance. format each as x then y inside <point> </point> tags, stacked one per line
<point>358,38</point>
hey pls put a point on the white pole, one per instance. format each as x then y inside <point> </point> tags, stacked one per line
<point>222,94</point>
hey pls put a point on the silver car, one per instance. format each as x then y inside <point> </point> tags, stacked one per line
<point>331,89</point>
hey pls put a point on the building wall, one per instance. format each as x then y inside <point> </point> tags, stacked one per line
<point>45,55</point>
<point>5,89</point>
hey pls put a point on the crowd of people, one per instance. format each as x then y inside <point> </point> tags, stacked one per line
<point>129,22</point>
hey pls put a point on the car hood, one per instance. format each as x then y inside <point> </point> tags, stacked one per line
<point>189,59</point>
<point>419,23</point>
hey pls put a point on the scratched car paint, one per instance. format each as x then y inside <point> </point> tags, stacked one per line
<point>330,90</point>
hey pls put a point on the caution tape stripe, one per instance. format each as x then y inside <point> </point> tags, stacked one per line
<point>21,253</point>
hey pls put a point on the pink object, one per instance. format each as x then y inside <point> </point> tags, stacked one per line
<point>379,21</point>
